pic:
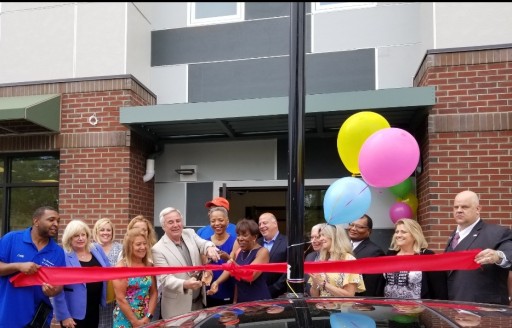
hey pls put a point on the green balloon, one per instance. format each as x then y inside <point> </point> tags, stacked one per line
<point>403,318</point>
<point>402,189</point>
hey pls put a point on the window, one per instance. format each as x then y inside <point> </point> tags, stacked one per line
<point>319,7</point>
<point>203,13</point>
<point>26,183</point>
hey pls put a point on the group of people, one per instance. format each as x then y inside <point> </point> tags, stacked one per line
<point>489,284</point>
<point>139,300</point>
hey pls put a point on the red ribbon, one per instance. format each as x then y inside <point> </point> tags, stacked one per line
<point>58,276</point>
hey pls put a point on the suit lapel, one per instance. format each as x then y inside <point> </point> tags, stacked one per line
<point>276,245</point>
<point>192,247</point>
<point>466,243</point>
<point>169,244</point>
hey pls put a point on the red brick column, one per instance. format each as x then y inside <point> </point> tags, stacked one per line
<point>101,165</point>
<point>467,141</point>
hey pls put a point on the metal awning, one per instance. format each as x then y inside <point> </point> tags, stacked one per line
<point>404,108</point>
<point>29,114</point>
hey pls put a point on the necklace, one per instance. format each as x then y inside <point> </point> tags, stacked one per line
<point>244,260</point>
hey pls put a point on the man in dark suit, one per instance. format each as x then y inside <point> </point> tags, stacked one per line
<point>489,283</point>
<point>277,245</point>
<point>359,233</point>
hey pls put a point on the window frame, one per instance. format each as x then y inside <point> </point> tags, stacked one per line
<point>317,7</point>
<point>192,21</point>
<point>7,186</point>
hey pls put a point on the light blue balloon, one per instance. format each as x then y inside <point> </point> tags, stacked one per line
<point>351,320</point>
<point>346,200</point>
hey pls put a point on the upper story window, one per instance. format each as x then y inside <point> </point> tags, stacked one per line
<point>203,13</point>
<point>319,7</point>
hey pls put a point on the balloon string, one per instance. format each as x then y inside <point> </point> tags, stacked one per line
<point>350,201</point>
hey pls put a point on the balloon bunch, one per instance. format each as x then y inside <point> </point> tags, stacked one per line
<point>406,203</point>
<point>383,156</point>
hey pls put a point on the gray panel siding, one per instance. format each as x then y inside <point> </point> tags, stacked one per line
<point>197,195</point>
<point>258,10</point>
<point>340,71</point>
<point>321,159</point>
<point>269,77</point>
<point>252,39</point>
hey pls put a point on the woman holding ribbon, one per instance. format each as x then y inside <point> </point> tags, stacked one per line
<point>335,246</point>
<point>103,234</point>
<point>224,241</point>
<point>409,240</point>
<point>79,304</point>
<point>255,288</point>
<point>136,297</point>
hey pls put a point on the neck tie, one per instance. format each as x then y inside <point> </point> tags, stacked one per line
<point>455,240</point>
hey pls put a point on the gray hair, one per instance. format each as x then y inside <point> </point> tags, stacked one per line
<point>166,211</point>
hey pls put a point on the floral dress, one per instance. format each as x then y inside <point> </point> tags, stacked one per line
<point>342,279</point>
<point>137,295</point>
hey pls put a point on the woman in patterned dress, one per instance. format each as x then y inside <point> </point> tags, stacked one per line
<point>136,297</point>
<point>335,246</point>
<point>103,234</point>
<point>409,240</point>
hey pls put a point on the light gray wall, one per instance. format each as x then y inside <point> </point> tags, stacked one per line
<point>472,24</point>
<point>392,28</point>
<point>48,41</point>
<point>235,160</point>
<point>138,42</point>
<point>167,15</point>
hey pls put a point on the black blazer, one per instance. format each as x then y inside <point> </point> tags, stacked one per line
<point>433,283</point>
<point>489,283</point>
<point>276,282</point>
<point>374,283</point>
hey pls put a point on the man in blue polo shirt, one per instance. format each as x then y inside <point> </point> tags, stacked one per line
<point>26,251</point>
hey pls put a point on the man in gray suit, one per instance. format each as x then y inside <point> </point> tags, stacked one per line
<point>489,283</point>
<point>181,292</point>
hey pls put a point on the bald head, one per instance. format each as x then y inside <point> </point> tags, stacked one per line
<point>466,208</point>
<point>268,225</point>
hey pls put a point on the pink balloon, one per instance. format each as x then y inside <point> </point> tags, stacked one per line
<point>388,157</point>
<point>400,210</point>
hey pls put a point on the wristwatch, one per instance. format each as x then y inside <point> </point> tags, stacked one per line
<point>149,316</point>
<point>501,256</point>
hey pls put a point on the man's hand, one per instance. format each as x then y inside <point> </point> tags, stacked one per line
<point>192,283</point>
<point>488,256</point>
<point>50,290</point>
<point>28,267</point>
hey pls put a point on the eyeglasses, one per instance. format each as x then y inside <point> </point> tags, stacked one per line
<point>357,226</point>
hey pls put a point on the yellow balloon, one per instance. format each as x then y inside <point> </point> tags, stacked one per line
<point>412,201</point>
<point>352,135</point>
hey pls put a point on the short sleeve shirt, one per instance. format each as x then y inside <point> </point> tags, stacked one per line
<point>18,304</point>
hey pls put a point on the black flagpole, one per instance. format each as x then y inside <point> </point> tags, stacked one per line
<point>295,205</point>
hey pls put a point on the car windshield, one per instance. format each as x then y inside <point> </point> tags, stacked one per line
<point>345,312</point>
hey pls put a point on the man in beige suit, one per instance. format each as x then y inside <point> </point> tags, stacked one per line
<point>181,292</point>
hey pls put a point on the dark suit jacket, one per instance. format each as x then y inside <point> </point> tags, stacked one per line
<point>489,283</point>
<point>374,283</point>
<point>276,282</point>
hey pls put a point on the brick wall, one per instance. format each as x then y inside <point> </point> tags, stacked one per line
<point>467,142</point>
<point>102,164</point>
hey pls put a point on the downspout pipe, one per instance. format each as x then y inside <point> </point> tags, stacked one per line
<point>150,164</point>
<point>150,170</point>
